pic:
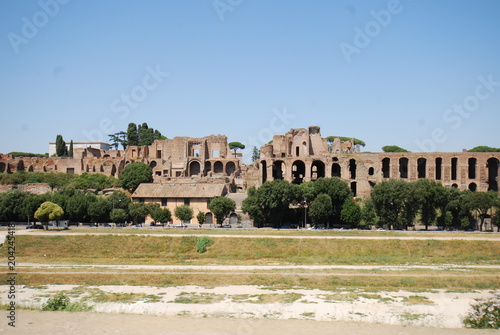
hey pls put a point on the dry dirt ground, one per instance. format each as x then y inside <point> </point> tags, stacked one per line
<point>64,323</point>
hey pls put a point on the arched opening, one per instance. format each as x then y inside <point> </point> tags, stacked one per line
<point>352,168</point>
<point>298,172</point>
<point>20,166</point>
<point>2,167</point>
<point>386,168</point>
<point>473,187</point>
<point>317,170</point>
<point>194,168</point>
<point>472,168</point>
<point>454,163</point>
<point>230,168</point>
<point>152,164</point>
<point>354,188</point>
<point>421,167</point>
<point>403,167</point>
<point>439,167</point>
<point>233,218</point>
<point>336,171</point>
<point>492,166</point>
<point>278,170</point>
<point>371,171</point>
<point>454,185</point>
<point>218,167</point>
<point>31,169</point>
<point>264,171</point>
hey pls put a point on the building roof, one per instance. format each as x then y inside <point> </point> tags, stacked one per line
<point>179,190</point>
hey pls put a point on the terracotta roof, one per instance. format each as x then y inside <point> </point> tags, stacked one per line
<point>179,191</point>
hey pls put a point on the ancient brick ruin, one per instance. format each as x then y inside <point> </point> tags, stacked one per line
<point>299,155</point>
<point>303,155</point>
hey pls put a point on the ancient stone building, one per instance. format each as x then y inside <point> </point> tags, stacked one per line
<point>303,155</point>
<point>184,159</point>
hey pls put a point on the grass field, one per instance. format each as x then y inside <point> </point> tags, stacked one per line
<point>137,249</point>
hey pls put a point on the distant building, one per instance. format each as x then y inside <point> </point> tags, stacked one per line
<point>80,145</point>
<point>172,195</point>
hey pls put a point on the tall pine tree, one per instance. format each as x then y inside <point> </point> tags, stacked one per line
<point>61,150</point>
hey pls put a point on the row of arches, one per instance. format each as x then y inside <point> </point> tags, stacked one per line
<point>299,173</point>
<point>217,167</point>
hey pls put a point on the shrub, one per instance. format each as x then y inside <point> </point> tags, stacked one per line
<point>62,303</point>
<point>485,314</point>
<point>202,243</point>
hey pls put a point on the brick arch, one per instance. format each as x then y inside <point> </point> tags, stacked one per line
<point>194,168</point>
<point>298,171</point>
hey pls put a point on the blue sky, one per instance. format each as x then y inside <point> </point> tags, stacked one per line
<point>424,75</point>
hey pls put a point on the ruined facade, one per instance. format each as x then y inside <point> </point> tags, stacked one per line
<point>303,155</point>
<point>299,155</point>
<point>183,159</point>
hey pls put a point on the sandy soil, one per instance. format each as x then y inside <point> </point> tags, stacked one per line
<point>436,308</point>
<point>64,323</point>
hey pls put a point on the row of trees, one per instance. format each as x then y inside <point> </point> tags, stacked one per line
<point>139,135</point>
<point>78,206</point>
<point>62,149</point>
<point>129,179</point>
<point>394,204</point>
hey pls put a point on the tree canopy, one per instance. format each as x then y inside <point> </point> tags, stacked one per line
<point>49,211</point>
<point>484,148</point>
<point>221,207</point>
<point>393,148</point>
<point>235,146</point>
<point>136,135</point>
<point>183,213</point>
<point>330,139</point>
<point>135,174</point>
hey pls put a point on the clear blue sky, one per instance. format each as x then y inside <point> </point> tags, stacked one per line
<point>386,72</point>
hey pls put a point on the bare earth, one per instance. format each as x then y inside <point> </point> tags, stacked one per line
<point>64,323</point>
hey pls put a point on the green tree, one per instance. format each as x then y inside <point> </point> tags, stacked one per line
<point>183,213</point>
<point>119,138</point>
<point>320,209</point>
<point>48,211</point>
<point>393,148</point>
<point>119,199</point>
<point>118,215</point>
<point>77,206</point>
<point>99,210</point>
<point>138,212</point>
<point>132,134</point>
<point>201,218</point>
<point>484,148</point>
<point>394,203</point>
<point>70,153</point>
<point>481,202</point>
<point>252,206</point>
<point>270,202</point>
<point>351,213</point>
<point>11,205</point>
<point>255,154</point>
<point>61,149</point>
<point>235,146</point>
<point>368,214</point>
<point>221,207</point>
<point>135,174</point>
<point>30,204</point>
<point>339,193</point>
<point>163,215</point>
<point>431,196</point>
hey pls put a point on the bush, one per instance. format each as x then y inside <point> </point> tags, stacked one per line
<point>57,303</point>
<point>202,243</point>
<point>62,303</point>
<point>485,314</point>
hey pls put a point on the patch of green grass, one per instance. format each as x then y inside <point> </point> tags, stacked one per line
<point>198,298</point>
<point>417,300</point>
<point>308,314</point>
